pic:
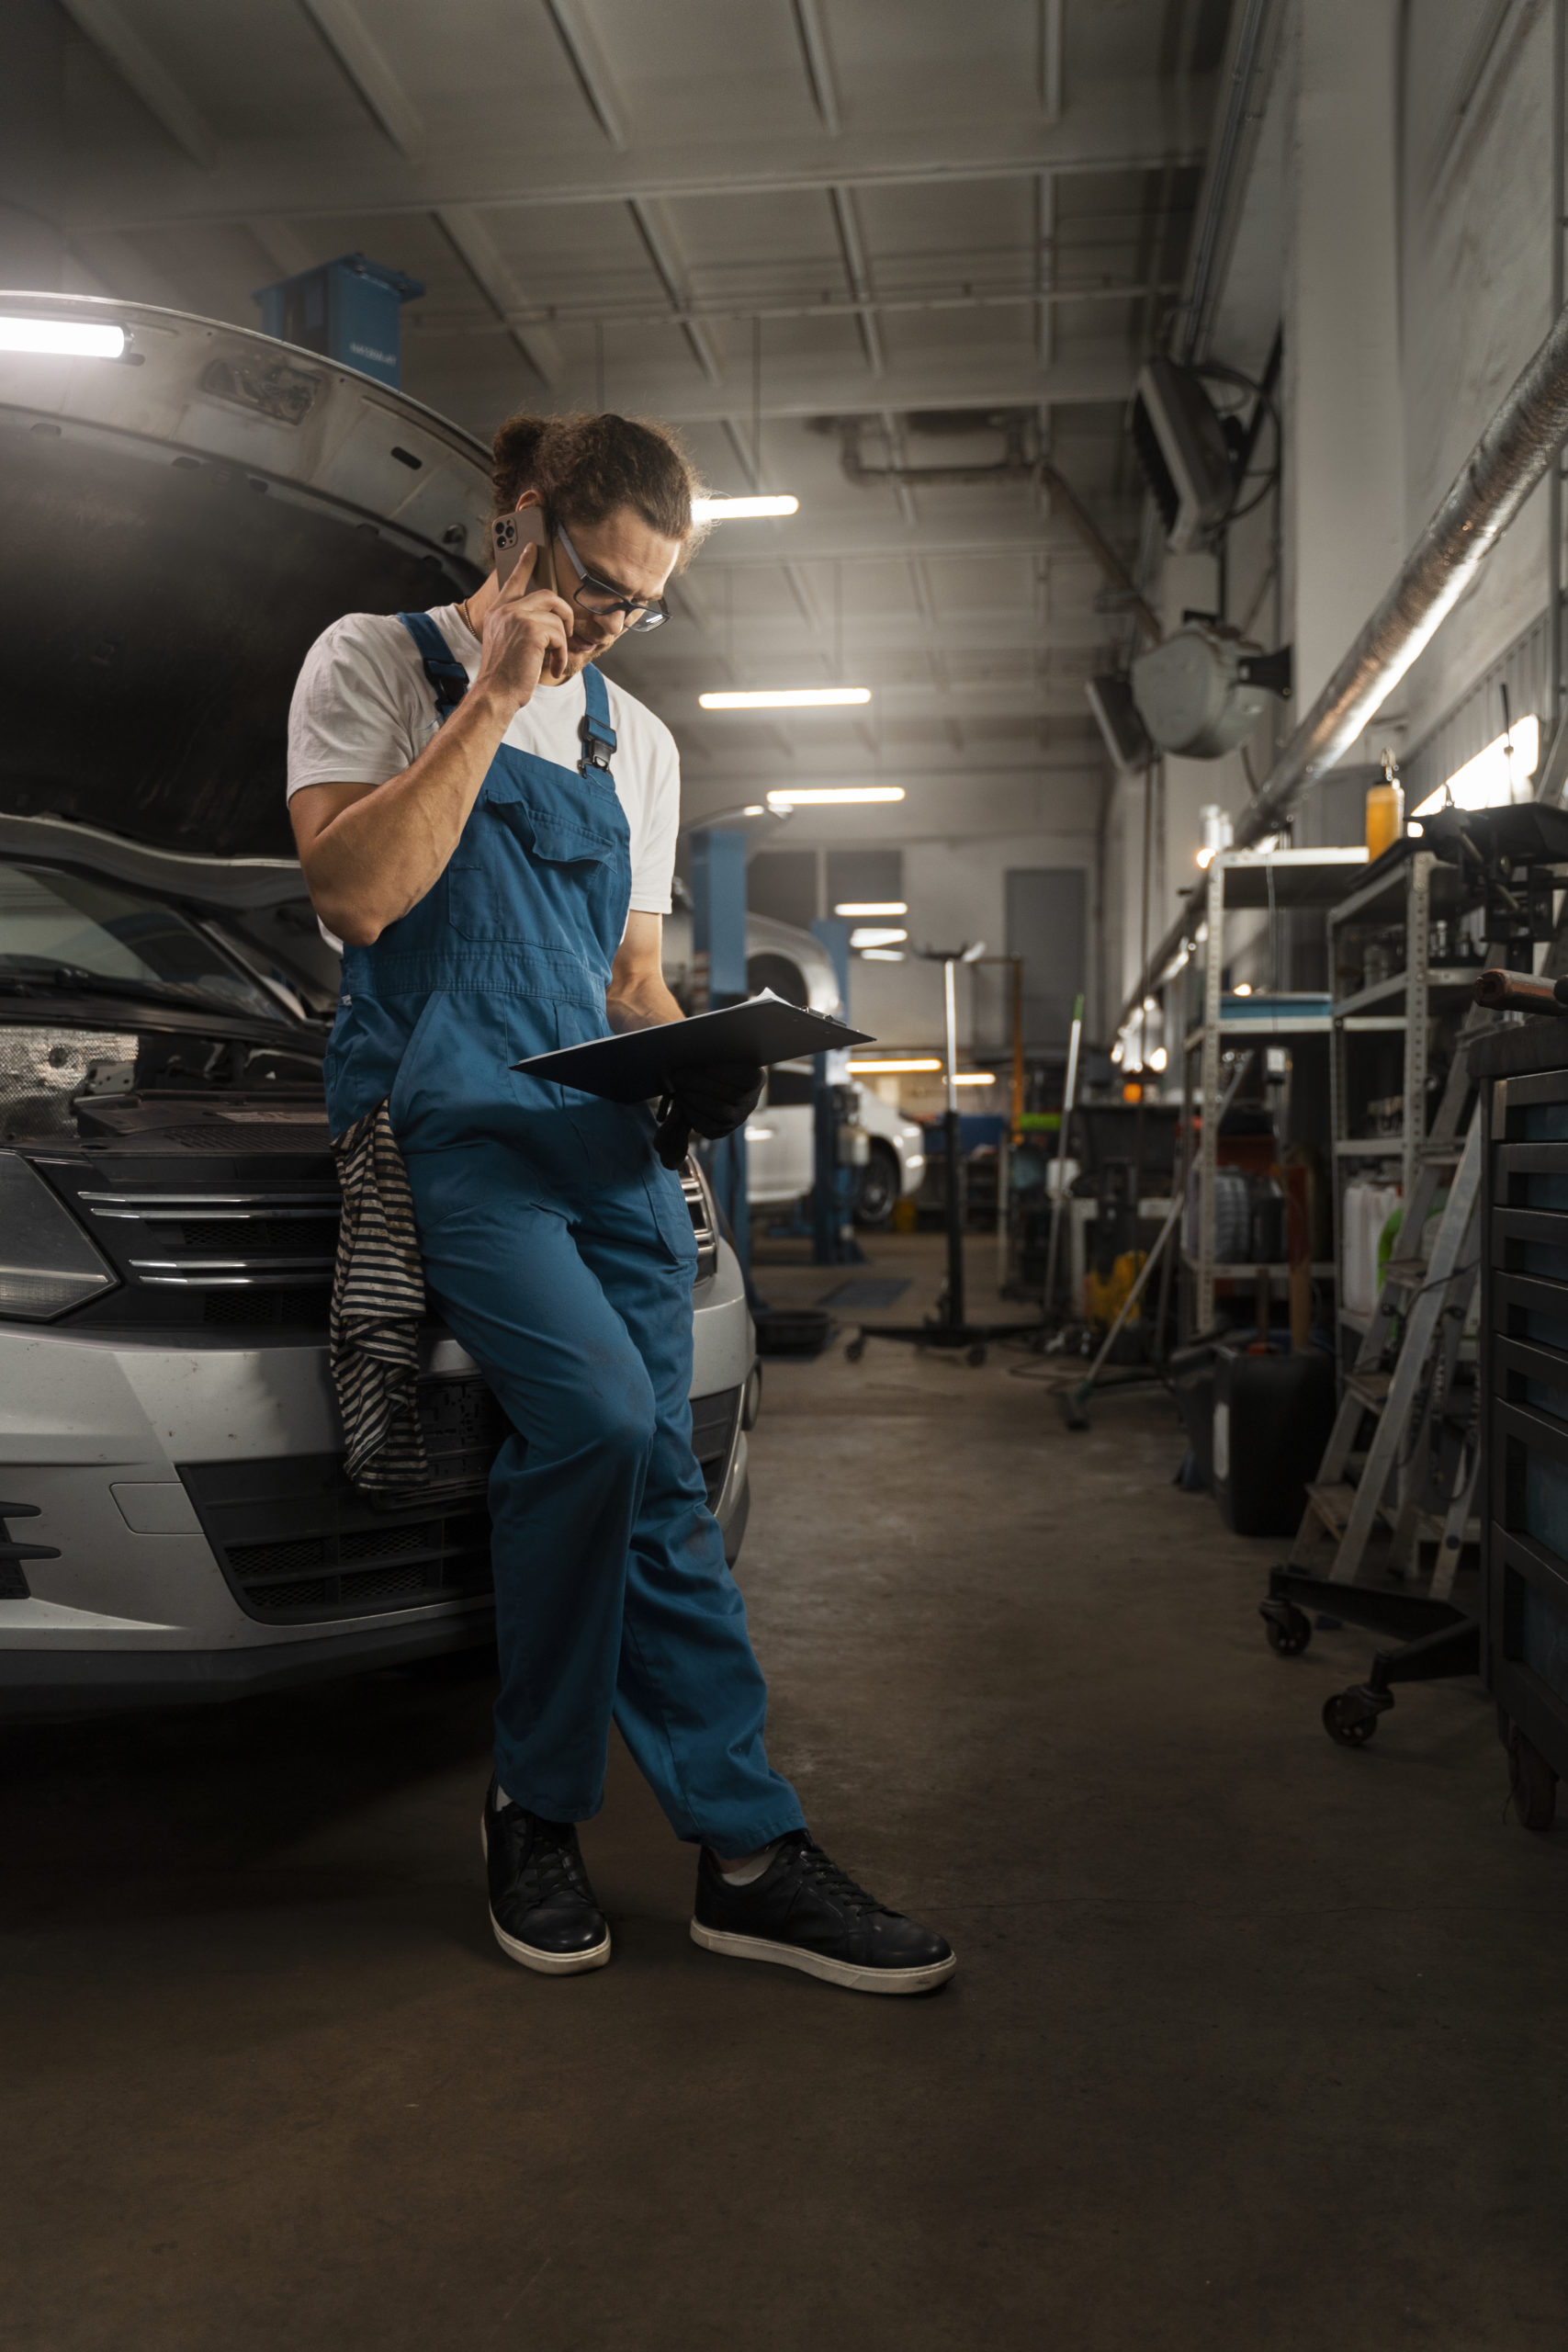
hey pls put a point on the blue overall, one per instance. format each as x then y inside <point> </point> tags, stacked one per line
<point>561,1255</point>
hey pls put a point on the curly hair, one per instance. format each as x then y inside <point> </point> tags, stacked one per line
<point>584,468</point>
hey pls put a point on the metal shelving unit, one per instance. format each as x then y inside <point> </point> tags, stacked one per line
<point>1396,911</point>
<point>1250,881</point>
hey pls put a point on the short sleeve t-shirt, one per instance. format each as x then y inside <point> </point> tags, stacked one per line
<point>363,711</point>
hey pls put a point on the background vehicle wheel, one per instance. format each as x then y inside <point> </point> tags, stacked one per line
<point>880,1185</point>
<point>1348,1718</point>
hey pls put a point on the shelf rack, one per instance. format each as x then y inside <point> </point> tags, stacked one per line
<point>1247,881</point>
<point>1408,890</point>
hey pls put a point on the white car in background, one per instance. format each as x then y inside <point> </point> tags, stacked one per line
<point>779,1135</point>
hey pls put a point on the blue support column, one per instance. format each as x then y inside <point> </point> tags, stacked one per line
<point>832,1238</point>
<point>718,934</point>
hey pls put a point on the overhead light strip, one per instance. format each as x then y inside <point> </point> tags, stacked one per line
<point>787,698</point>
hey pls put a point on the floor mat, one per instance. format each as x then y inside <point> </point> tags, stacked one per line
<point>865,1290</point>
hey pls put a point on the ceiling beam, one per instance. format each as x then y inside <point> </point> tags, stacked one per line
<point>656,232</point>
<point>1045,266</point>
<point>817,57</point>
<point>857,273</point>
<point>469,387</point>
<point>1121,127</point>
<point>370,72</point>
<point>592,67</point>
<point>145,74</point>
<point>284,246</point>
<point>477,251</point>
<point>1052,28</point>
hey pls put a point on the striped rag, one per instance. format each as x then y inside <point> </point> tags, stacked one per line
<point>378,1306</point>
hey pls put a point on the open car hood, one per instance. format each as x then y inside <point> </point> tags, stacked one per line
<point>178,527</point>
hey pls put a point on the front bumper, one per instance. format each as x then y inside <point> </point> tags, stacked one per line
<point>135,1604</point>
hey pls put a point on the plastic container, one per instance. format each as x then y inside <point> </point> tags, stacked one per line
<point>1385,818</point>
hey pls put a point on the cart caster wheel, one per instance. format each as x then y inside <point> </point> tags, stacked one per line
<point>854,1351</point>
<point>1347,1719</point>
<point>975,1355</point>
<point>1287,1629</point>
<point>1532,1784</point>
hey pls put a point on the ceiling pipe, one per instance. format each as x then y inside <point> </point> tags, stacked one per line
<point>1017,464</point>
<point>1508,462</point>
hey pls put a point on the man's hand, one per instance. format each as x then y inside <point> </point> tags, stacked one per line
<point>710,1099</point>
<point>524,638</point>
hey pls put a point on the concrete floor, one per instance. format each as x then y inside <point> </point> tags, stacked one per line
<point>1256,2042</point>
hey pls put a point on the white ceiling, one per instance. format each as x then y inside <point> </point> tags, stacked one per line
<point>733,214</point>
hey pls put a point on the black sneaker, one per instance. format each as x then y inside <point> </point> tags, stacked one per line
<point>541,1904</point>
<point>805,1913</point>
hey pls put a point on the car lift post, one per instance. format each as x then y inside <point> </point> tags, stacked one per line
<point>832,1240</point>
<point>949,1327</point>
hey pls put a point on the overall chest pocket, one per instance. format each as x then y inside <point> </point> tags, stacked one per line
<point>528,873</point>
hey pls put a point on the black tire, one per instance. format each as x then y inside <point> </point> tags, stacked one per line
<point>1532,1784</point>
<point>881,1182</point>
<point>1348,1720</point>
<point>1289,1638</point>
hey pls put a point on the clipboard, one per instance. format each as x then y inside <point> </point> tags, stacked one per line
<point>636,1065</point>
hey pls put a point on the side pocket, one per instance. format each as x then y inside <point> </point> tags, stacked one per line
<point>672,1217</point>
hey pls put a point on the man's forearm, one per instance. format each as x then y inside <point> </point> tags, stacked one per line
<point>378,857</point>
<point>640,1002</point>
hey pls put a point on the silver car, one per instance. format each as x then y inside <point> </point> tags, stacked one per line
<point>174,1522</point>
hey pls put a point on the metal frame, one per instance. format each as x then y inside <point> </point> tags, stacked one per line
<point>1244,880</point>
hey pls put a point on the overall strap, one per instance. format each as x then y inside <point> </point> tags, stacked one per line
<point>448,679</point>
<point>594,731</point>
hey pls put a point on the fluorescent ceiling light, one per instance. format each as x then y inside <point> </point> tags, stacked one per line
<point>882,955</point>
<point>63,338</point>
<point>881,1069</point>
<point>787,698</point>
<point>865,936</point>
<point>740,510</point>
<point>974,1077</point>
<point>835,796</point>
<point>1496,776</point>
<point>871,907</point>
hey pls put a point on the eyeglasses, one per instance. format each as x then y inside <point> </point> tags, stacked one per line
<point>598,597</point>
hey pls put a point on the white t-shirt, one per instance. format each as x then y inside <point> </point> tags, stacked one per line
<point>363,711</point>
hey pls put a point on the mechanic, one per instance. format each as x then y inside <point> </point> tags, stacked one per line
<point>490,830</point>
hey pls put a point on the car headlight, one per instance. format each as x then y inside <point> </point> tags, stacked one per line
<point>47,1262</point>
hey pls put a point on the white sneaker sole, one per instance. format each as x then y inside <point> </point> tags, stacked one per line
<point>832,1972</point>
<point>543,1963</point>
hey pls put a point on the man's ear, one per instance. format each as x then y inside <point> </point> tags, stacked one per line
<point>528,498</point>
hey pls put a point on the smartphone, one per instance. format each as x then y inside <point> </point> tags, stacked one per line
<point>510,533</point>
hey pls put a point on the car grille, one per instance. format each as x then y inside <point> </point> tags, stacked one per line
<point>228,1243</point>
<point>298,1543</point>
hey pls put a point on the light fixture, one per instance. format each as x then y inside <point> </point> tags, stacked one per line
<point>881,1069</point>
<point>974,1077</point>
<point>787,698</point>
<point>867,935</point>
<point>740,510</point>
<point>1118,1049</point>
<point>1242,988</point>
<point>882,955</point>
<point>761,1134</point>
<point>833,796</point>
<point>871,907</point>
<point>1205,856</point>
<point>1157,1058</point>
<point>63,338</point>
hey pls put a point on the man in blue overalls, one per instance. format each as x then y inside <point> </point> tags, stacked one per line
<point>481,827</point>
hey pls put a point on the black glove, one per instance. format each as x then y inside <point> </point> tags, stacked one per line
<point>710,1099</point>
